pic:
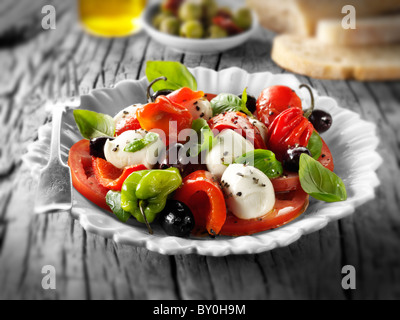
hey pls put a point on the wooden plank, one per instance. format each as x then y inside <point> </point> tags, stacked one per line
<point>372,228</point>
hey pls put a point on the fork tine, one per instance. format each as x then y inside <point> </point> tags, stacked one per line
<point>50,84</point>
<point>67,80</point>
<point>58,81</point>
<point>75,78</point>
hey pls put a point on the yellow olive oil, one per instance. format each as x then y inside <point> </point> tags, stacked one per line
<point>111,18</point>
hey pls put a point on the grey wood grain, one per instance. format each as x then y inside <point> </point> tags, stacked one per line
<point>90,267</point>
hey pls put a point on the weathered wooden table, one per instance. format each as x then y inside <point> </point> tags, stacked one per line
<point>91,267</point>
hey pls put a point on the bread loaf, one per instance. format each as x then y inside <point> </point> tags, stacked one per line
<point>302,16</point>
<point>309,57</point>
<point>379,30</point>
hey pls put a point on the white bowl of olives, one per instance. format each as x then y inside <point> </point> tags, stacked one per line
<point>199,26</point>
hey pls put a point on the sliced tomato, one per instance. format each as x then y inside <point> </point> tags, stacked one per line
<point>205,199</point>
<point>110,176</point>
<point>238,121</point>
<point>185,97</point>
<point>326,158</point>
<point>166,117</point>
<point>288,207</point>
<point>289,181</point>
<point>83,176</point>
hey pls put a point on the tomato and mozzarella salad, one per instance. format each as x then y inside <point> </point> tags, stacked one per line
<point>198,163</point>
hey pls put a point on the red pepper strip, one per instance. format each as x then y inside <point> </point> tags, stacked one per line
<point>289,129</point>
<point>227,24</point>
<point>171,5</point>
<point>241,123</point>
<point>127,124</point>
<point>210,96</point>
<point>111,177</point>
<point>205,199</point>
<point>165,116</point>
<point>185,97</point>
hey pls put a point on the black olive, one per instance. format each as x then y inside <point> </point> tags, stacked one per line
<point>251,103</point>
<point>97,147</point>
<point>176,157</point>
<point>176,219</point>
<point>291,160</point>
<point>157,94</point>
<point>321,120</point>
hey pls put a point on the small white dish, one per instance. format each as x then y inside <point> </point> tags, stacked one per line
<point>200,46</point>
<point>352,141</point>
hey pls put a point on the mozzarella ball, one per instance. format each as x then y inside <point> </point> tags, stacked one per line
<point>148,156</point>
<point>127,112</point>
<point>250,193</point>
<point>230,145</point>
<point>201,109</point>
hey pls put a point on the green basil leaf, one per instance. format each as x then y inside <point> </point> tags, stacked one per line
<point>226,102</point>
<point>113,200</point>
<point>315,145</point>
<point>206,136</point>
<point>244,104</point>
<point>177,74</point>
<point>140,144</point>
<point>319,182</point>
<point>263,160</point>
<point>94,125</point>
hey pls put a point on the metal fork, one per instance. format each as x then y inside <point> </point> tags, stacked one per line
<point>54,191</point>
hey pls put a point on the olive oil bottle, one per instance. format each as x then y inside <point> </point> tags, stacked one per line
<point>111,18</point>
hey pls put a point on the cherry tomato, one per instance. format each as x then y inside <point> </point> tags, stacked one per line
<point>162,115</point>
<point>289,129</point>
<point>274,100</point>
<point>111,177</point>
<point>326,158</point>
<point>205,199</point>
<point>288,206</point>
<point>83,177</point>
<point>240,122</point>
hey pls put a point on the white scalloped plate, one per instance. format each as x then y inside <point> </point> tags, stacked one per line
<point>353,143</point>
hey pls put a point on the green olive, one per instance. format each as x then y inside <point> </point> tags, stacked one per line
<point>210,9</point>
<point>190,11</point>
<point>243,18</point>
<point>159,18</point>
<point>170,25</point>
<point>192,29</point>
<point>215,32</point>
